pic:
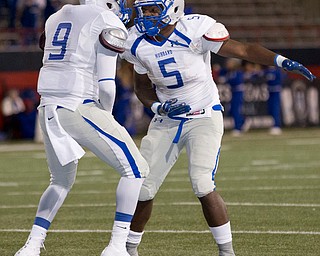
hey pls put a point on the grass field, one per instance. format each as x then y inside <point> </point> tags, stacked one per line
<point>271,186</point>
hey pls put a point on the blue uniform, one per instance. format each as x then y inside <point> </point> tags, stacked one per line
<point>235,80</point>
<point>274,80</point>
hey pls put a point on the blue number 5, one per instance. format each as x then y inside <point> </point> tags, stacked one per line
<point>175,73</point>
<point>62,42</point>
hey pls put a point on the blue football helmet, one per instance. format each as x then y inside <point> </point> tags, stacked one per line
<point>118,7</point>
<point>170,11</point>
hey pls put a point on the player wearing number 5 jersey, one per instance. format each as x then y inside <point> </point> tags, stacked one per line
<point>173,52</point>
<point>77,88</point>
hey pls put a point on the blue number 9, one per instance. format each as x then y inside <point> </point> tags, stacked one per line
<point>66,27</point>
<point>175,73</point>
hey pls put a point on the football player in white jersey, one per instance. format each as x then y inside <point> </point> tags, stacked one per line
<point>173,52</point>
<point>77,87</point>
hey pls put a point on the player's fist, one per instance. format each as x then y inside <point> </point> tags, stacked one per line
<point>170,108</point>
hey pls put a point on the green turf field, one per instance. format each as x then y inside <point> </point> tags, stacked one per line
<point>270,184</point>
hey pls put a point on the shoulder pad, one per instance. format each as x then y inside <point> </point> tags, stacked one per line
<point>217,33</point>
<point>113,38</point>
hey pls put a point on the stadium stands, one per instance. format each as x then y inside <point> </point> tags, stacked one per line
<point>273,23</point>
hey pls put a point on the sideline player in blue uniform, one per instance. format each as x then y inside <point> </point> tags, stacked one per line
<point>274,78</point>
<point>235,78</point>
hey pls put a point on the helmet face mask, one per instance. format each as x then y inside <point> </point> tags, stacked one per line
<point>118,7</point>
<point>168,13</point>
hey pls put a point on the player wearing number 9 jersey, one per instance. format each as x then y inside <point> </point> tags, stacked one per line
<point>77,88</point>
<point>171,57</point>
<point>71,51</point>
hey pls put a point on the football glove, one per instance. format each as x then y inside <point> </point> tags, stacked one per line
<point>293,66</point>
<point>170,108</point>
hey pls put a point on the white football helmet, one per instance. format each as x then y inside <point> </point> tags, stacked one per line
<point>170,11</point>
<point>118,7</point>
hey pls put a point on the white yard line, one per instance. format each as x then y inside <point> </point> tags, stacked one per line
<point>252,204</point>
<point>21,147</point>
<point>253,177</point>
<point>248,204</point>
<point>274,232</point>
<point>96,178</point>
<point>174,190</point>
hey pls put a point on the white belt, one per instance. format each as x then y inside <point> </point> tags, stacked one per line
<point>197,114</point>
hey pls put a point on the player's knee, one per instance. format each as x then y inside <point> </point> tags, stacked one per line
<point>144,168</point>
<point>147,192</point>
<point>62,183</point>
<point>64,179</point>
<point>202,186</point>
<point>140,170</point>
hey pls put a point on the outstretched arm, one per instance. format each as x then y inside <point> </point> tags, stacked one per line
<point>258,54</point>
<point>247,51</point>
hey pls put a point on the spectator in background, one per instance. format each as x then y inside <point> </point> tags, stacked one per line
<point>30,19</point>
<point>12,5</point>
<point>122,107</point>
<point>28,117</point>
<point>216,71</point>
<point>188,9</point>
<point>274,79</point>
<point>127,109</point>
<point>3,6</point>
<point>253,73</point>
<point>12,109</point>
<point>52,7</point>
<point>234,76</point>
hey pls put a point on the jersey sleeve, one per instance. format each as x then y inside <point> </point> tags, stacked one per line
<point>138,67</point>
<point>112,20</point>
<point>207,33</point>
<point>128,54</point>
<point>213,39</point>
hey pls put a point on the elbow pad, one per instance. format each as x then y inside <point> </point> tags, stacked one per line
<point>114,39</point>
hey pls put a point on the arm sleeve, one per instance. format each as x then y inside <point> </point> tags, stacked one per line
<point>106,71</point>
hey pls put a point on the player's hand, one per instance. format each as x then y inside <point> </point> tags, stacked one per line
<point>296,67</point>
<point>171,108</point>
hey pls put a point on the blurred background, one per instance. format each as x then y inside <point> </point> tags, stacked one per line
<point>254,96</point>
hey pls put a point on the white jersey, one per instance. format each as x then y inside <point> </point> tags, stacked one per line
<point>68,75</point>
<point>180,67</point>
